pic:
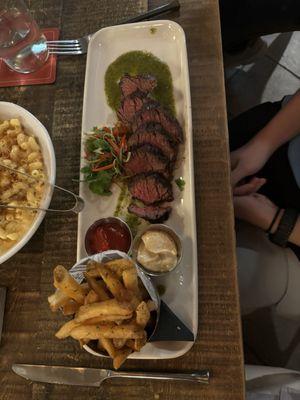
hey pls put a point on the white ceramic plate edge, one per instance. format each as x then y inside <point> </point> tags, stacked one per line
<point>188,345</point>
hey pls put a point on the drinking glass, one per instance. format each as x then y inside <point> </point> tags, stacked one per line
<point>22,45</point>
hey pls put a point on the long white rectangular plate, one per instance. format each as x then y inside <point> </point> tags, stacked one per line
<point>168,44</point>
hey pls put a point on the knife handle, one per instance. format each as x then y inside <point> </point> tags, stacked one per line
<point>196,377</point>
<point>157,11</point>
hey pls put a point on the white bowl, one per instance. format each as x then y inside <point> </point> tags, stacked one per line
<point>33,126</point>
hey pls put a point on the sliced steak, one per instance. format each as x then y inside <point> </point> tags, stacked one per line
<point>131,105</point>
<point>153,214</point>
<point>150,188</point>
<point>153,112</point>
<point>147,158</point>
<point>153,133</point>
<point>143,83</point>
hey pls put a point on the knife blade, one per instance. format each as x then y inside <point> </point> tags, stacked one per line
<point>59,375</point>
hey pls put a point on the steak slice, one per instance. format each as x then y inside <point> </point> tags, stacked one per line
<point>131,105</point>
<point>143,83</point>
<point>147,158</point>
<point>153,112</point>
<point>153,133</point>
<point>151,188</point>
<point>153,214</point>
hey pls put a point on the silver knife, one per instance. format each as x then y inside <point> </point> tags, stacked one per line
<point>95,377</point>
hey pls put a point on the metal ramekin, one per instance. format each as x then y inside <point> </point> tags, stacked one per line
<point>174,236</point>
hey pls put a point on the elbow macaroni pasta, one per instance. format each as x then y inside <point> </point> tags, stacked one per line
<point>21,151</point>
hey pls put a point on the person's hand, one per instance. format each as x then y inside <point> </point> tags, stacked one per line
<point>256,209</point>
<point>248,160</point>
<point>250,187</point>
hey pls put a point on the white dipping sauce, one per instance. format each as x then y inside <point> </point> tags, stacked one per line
<point>157,251</point>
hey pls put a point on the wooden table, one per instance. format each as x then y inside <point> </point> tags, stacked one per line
<point>29,326</point>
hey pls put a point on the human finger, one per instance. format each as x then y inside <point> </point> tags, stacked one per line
<point>248,188</point>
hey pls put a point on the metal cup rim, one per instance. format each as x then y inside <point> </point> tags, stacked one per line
<point>119,220</point>
<point>174,236</point>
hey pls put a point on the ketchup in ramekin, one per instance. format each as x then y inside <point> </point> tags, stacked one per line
<point>108,234</point>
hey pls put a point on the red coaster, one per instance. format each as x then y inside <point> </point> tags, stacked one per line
<point>45,75</point>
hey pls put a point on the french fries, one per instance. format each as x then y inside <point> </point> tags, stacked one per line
<point>108,331</point>
<point>111,308</point>
<point>97,287</point>
<point>114,285</point>
<point>91,297</point>
<point>57,300</point>
<point>142,314</point>
<point>107,307</point>
<point>66,329</point>
<point>120,357</point>
<point>67,284</point>
<point>70,307</point>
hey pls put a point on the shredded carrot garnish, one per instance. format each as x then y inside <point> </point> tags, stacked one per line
<point>104,168</point>
<point>113,145</point>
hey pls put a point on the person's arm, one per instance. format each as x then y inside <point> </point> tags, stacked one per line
<point>259,211</point>
<point>250,158</point>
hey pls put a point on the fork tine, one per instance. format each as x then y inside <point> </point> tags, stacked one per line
<point>64,46</point>
<point>74,41</point>
<point>66,53</point>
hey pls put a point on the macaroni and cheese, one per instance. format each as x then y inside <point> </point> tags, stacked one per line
<point>21,151</point>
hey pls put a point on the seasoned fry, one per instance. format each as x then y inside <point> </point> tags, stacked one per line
<point>107,307</point>
<point>91,269</point>
<point>107,331</point>
<point>106,318</point>
<point>130,343</point>
<point>142,314</point>
<point>70,307</point>
<point>130,280</point>
<point>119,343</point>
<point>116,288</point>
<point>139,343</point>
<point>97,288</point>
<point>67,284</point>
<point>57,300</point>
<point>99,345</point>
<point>118,266</point>
<point>151,305</point>
<point>65,330</point>
<point>107,344</point>
<point>120,357</point>
<point>91,297</point>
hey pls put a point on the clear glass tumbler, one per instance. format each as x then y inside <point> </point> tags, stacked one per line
<point>22,45</point>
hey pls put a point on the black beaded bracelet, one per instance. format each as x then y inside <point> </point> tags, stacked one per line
<point>285,227</point>
<point>273,221</point>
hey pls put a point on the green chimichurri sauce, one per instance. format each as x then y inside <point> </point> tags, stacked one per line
<point>121,210</point>
<point>139,63</point>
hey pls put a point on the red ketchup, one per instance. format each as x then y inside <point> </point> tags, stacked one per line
<point>107,234</point>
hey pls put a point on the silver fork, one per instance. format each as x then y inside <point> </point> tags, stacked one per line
<point>79,46</point>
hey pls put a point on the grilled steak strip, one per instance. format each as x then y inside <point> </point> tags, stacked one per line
<point>153,112</point>
<point>151,188</point>
<point>154,134</point>
<point>153,214</point>
<point>130,105</point>
<point>147,158</point>
<point>143,83</point>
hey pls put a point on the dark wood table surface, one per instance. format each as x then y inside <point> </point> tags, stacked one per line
<point>29,326</point>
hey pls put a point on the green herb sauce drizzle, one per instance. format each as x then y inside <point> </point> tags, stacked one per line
<point>139,63</point>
